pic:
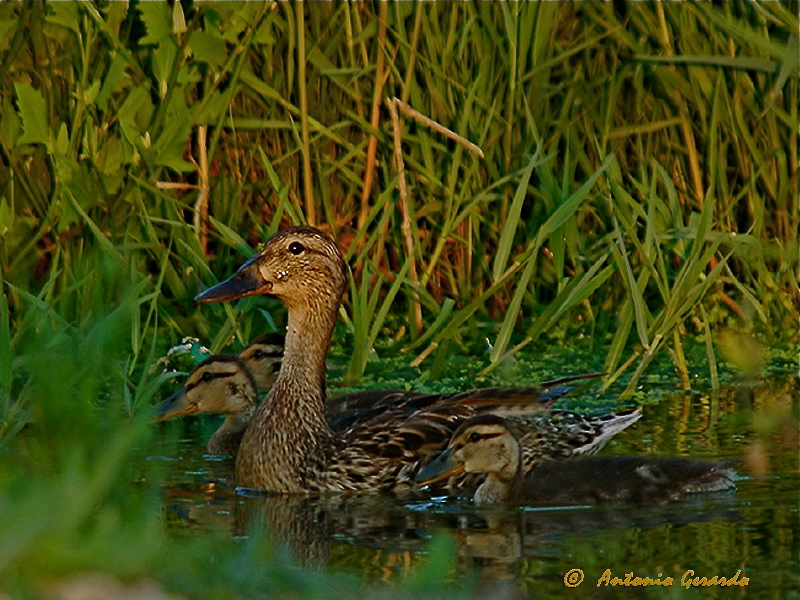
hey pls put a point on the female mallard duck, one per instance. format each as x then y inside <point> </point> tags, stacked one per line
<point>224,384</point>
<point>290,447</point>
<point>487,444</point>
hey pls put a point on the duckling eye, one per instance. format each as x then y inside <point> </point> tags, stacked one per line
<point>296,248</point>
<point>207,377</point>
<point>474,436</point>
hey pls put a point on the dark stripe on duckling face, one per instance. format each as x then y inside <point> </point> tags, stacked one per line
<point>206,378</point>
<point>474,438</point>
<point>219,366</point>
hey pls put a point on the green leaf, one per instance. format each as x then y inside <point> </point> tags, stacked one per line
<point>163,63</point>
<point>171,143</point>
<point>111,82</point>
<point>65,14</point>
<point>208,48</point>
<point>90,93</point>
<point>212,107</point>
<point>110,156</point>
<point>158,21</point>
<point>513,219</point>
<point>263,34</point>
<point>132,112</point>
<point>178,20</point>
<point>62,140</point>
<point>10,123</point>
<point>6,216</point>
<point>576,291</point>
<point>510,319</point>
<point>643,316</point>
<point>5,33</point>
<point>33,110</point>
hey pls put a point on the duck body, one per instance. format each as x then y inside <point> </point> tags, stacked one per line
<point>290,447</point>
<point>488,444</point>
<point>624,479</point>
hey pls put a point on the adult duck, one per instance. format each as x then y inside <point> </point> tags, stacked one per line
<point>488,444</point>
<point>289,446</point>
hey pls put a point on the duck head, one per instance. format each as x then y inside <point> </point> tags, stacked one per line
<point>262,357</point>
<point>220,384</point>
<point>483,444</point>
<point>296,265</point>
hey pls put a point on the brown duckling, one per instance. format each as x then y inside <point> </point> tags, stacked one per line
<point>220,384</point>
<point>290,446</point>
<point>488,444</point>
<point>262,357</point>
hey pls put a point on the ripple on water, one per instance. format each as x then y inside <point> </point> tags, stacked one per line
<point>754,529</point>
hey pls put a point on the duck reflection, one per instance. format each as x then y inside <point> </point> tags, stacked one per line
<point>491,541</point>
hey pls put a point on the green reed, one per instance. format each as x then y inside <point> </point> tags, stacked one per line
<point>151,129</point>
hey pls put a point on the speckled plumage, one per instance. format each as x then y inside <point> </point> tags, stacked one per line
<point>391,424</point>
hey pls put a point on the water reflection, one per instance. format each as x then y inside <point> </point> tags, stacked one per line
<point>755,528</point>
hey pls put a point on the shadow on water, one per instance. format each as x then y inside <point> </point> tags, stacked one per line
<point>754,530</point>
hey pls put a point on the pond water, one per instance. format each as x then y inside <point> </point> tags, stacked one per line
<point>752,533</point>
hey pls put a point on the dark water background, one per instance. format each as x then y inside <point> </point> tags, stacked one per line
<point>523,552</point>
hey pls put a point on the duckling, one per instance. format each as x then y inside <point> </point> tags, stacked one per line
<point>262,357</point>
<point>220,384</point>
<point>488,444</point>
<point>290,447</point>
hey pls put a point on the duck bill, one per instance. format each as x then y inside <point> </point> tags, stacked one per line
<point>247,281</point>
<point>175,406</point>
<point>443,466</point>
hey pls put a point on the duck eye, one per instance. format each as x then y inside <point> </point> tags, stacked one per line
<point>296,248</point>
<point>474,437</point>
<point>207,376</point>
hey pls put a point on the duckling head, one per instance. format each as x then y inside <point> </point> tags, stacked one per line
<point>482,444</point>
<point>262,357</point>
<point>220,384</point>
<point>301,265</point>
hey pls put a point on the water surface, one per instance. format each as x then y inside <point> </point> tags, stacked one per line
<point>748,536</point>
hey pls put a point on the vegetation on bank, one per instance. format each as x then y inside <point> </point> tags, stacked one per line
<point>637,184</point>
